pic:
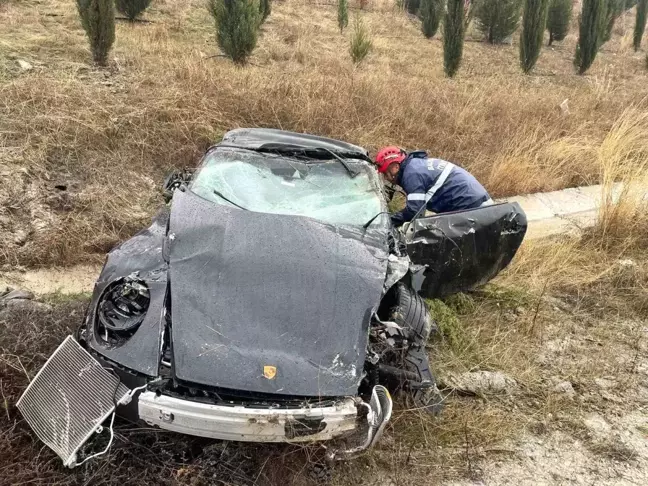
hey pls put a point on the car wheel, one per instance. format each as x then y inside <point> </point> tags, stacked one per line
<point>409,311</point>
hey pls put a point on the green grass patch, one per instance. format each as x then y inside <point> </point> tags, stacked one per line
<point>450,325</point>
<point>58,298</point>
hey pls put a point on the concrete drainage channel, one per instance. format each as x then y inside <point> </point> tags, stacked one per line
<point>561,212</point>
<point>549,214</point>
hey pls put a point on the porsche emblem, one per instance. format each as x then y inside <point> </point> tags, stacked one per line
<point>270,372</point>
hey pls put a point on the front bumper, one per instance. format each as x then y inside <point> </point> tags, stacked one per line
<point>73,395</point>
<point>241,423</point>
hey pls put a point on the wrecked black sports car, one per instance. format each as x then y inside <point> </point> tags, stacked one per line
<point>271,301</point>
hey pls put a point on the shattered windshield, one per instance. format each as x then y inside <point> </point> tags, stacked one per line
<point>268,183</point>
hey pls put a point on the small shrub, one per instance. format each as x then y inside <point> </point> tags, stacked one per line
<point>430,13</point>
<point>265,8</point>
<point>98,21</point>
<point>534,21</point>
<point>640,23</point>
<point>237,23</point>
<point>132,8</point>
<point>342,14</point>
<point>558,19</point>
<point>589,27</point>
<point>497,19</point>
<point>453,37</point>
<point>360,40</point>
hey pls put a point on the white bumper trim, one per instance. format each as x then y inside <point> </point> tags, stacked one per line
<point>248,424</point>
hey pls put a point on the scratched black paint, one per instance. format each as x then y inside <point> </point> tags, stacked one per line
<point>462,250</point>
<point>251,290</point>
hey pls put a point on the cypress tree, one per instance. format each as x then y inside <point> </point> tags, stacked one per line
<point>264,9</point>
<point>640,23</point>
<point>534,21</point>
<point>132,8</point>
<point>497,19</point>
<point>558,19</point>
<point>453,37</point>
<point>589,35</point>
<point>98,21</point>
<point>361,42</point>
<point>237,23</point>
<point>430,13</point>
<point>342,14</point>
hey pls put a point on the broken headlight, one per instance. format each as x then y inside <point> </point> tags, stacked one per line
<point>121,309</point>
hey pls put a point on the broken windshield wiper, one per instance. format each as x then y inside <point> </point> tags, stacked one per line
<point>289,150</point>
<point>220,194</point>
<point>366,225</point>
<point>351,172</point>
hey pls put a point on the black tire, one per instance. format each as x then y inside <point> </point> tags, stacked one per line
<point>409,311</point>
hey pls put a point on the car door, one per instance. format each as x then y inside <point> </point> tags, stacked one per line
<point>458,251</point>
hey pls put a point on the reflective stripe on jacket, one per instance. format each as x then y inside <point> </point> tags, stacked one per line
<point>418,175</point>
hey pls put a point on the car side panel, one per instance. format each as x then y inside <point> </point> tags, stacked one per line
<point>143,254</point>
<point>458,251</point>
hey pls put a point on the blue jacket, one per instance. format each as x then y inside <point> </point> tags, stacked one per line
<point>418,174</point>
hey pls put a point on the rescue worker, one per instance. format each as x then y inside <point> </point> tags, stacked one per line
<point>437,184</point>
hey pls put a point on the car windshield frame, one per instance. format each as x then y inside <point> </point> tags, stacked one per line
<point>279,166</point>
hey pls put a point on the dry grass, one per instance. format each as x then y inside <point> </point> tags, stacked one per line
<point>110,135</point>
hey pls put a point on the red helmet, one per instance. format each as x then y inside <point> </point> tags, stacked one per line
<point>388,156</point>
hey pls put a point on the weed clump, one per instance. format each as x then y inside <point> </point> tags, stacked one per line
<point>449,324</point>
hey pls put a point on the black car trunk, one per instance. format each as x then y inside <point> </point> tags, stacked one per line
<point>269,303</point>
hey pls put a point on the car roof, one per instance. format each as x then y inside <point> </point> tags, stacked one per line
<point>258,138</point>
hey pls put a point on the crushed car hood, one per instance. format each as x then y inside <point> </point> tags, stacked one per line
<point>270,303</point>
